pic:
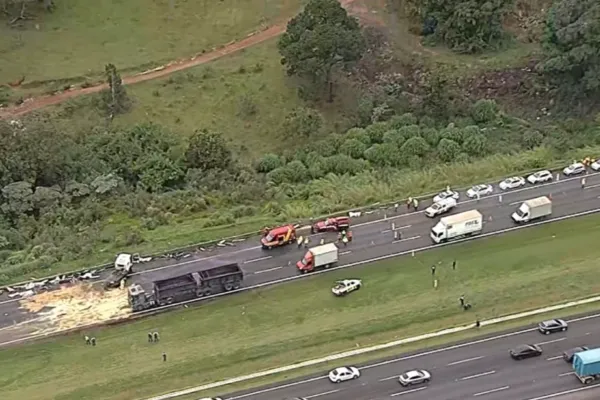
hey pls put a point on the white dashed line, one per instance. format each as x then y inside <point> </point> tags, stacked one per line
<point>491,391</point>
<point>408,391</point>
<point>267,270</point>
<point>464,361</point>
<point>257,259</point>
<point>466,378</point>
<point>321,394</point>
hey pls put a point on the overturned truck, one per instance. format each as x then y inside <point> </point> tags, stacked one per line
<point>206,282</point>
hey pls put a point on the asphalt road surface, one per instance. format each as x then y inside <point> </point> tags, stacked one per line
<point>480,370</point>
<point>372,238</point>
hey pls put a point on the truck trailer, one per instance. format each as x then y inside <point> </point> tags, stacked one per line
<point>586,365</point>
<point>323,256</point>
<point>533,209</point>
<point>456,226</point>
<point>206,282</point>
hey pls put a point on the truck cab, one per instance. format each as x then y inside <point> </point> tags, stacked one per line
<point>124,262</point>
<point>138,299</point>
<point>279,236</point>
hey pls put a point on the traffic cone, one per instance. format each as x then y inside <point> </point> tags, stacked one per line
<point>490,218</point>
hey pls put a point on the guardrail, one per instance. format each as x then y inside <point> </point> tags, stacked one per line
<point>371,207</point>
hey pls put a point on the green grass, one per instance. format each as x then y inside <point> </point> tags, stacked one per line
<point>280,325</point>
<point>80,37</point>
<point>245,96</point>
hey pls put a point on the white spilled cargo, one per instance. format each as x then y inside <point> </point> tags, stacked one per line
<point>457,226</point>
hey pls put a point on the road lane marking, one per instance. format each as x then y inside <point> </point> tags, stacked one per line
<point>464,361</point>
<point>515,203</point>
<point>567,374</point>
<point>272,389</point>
<point>267,270</point>
<point>389,377</point>
<point>551,341</point>
<point>407,239</point>
<point>551,395</point>
<point>322,394</point>
<point>491,391</point>
<point>257,259</point>
<point>553,358</point>
<point>396,229</point>
<point>343,253</point>
<point>466,378</point>
<point>408,391</point>
<point>592,186</point>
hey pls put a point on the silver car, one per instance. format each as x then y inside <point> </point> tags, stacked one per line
<point>481,190</point>
<point>414,377</point>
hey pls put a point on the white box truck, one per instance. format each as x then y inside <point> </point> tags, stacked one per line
<point>456,226</point>
<point>323,256</point>
<point>533,209</point>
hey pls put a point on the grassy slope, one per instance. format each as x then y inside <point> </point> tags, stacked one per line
<point>298,321</point>
<point>80,37</point>
<point>217,97</point>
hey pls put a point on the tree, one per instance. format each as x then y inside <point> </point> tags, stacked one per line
<point>320,38</point>
<point>207,150</point>
<point>448,150</point>
<point>465,26</point>
<point>18,199</point>
<point>115,97</point>
<point>572,44</point>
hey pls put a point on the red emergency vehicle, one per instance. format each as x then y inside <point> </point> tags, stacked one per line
<point>335,224</point>
<point>279,236</point>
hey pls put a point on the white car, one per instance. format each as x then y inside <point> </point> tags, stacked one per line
<point>596,165</point>
<point>346,286</point>
<point>574,169</point>
<point>342,374</point>
<point>512,183</point>
<point>539,177</point>
<point>414,377</point>
<point>440,207</point>
<point>481,190</point>
<point>446,194</point>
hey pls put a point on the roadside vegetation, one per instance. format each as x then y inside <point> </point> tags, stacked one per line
<point>415,100</point>
<point>280,325</point>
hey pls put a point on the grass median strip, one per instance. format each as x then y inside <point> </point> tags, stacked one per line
<point>281,325</point>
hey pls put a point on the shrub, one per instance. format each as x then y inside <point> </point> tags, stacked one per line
<point>269,162</point>
<point>484,111</point>
<point>448,150</point>
<point>353,148</point>
<point>399,121</point>
<point>359,134</point>
<point>415,146</point>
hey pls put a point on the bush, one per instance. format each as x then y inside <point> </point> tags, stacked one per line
<point>302,122</point>
<point>268,163</point>
<point>484,111</point>
<point>399,121</point>
<point>376,131</point>
<point>353,148</point>
<point>359,134</point>
<point>394,138</point>
<point>415,146</point>
<point>448,150</point>
<point>475,145</point>
<point>219,219</point>
<point>532,139</point>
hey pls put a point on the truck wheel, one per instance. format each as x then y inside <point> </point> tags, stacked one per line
<point>327,266</point>
<point>228,287</point>
<point>237,285</point>
<point>547,332</point>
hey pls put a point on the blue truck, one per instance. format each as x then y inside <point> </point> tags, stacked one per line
<point>586,365</point>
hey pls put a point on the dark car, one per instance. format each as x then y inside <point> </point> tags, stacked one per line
<point>336,224</point>
<point>568,355</point>
<point>552,325</point>
<point>525,351</point>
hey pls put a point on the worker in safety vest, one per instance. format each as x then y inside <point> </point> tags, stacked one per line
<point>306,242</point>
<point>322,241</point>
<point>416,204</point>
<point>409,202</point>
<point>299,241</point>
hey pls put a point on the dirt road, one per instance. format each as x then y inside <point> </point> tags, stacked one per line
<point>36,103</point>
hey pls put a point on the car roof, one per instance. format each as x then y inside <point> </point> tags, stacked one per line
<point>577,164</point>
<point>412,373</point>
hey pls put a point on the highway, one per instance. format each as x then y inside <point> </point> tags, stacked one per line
<point>373,239</point>
<point>479,369</point>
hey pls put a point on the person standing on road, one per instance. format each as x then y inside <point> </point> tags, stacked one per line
<point>409,203</point>
<point>300,240</point>
<point>454,265</point>
<point>416,204</point>
<point>583,183</point>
